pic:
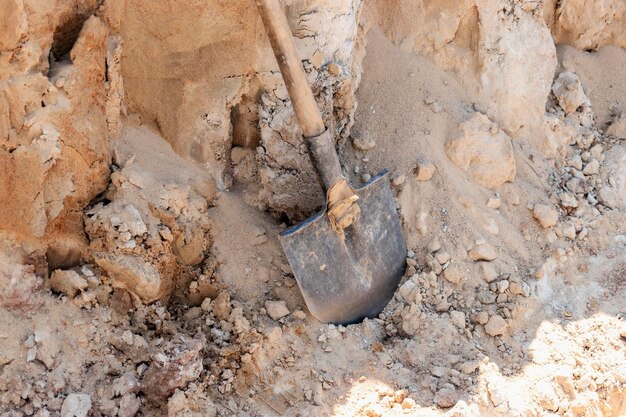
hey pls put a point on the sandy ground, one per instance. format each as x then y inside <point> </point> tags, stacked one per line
<point>513,302</point>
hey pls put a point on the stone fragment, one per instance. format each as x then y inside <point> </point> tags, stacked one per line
<point>446,396</point>
<point>568,200</point>
<point>484,151</point>
<point>68,282</point>
<point>129,405</point>
<point>569,92</point>
<point>618,127</point>
<point>494,202</point>
<point>482,317</point>
<point>612,192</point>
<point>363,143</point>
<point>453,274</point>
<point>408,403</point>
<point>222,306</point>
<point>399,180</point>
<point>468,367</point>
<point>434,246</point>
<point>458,319</point>
<point>135,275</point>
<point>317,59</point>
<point>76,405</point>
<point>592,167</point>
<point>276,309</point>
<point>496,326</point>
<point>178,364</point>
<point>489,271</point>
<point>482,252</point>
<point>334,68</point>
<point>442,257</point>
<point>425,171</point>
<point>545,215</point>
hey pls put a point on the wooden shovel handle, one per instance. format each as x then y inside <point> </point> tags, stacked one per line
<point>290,65</point>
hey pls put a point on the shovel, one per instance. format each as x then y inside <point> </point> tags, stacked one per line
<point>349,258</point>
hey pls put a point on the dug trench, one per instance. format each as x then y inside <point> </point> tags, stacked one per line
<point>183,304</point>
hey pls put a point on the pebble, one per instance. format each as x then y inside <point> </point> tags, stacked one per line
<point>458,319</point>
<point>494,202</point>
<point>363,143</point>
<point>68,282</point>
<point>452,275</point>
<point>442,257</point>
<point>576,162</point>
<point>446,396</point>
<point>408,403</point>
<point>545,215</point>
<point>489,271</point>
<point>484,252</point>
<point>366,177</point>
<point>334,69</point>
<point>496,326</point>
<point>317,59</point>
<point>592,167</point>
<point>276,309</point>
<point>568,200</point>
<point>299,314</point>
<point>399,180</point>
<point>76,405</point>
<point>482,317</point>
<point>434,246</point>
<point>503,286</point>
<point>425,171</point>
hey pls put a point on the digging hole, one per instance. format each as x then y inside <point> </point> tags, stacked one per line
<point>244,118</point>
<point>67,32</point>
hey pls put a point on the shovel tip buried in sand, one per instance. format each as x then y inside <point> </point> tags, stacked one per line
<point>349,258</point>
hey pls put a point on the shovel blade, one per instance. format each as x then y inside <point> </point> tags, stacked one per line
<point>345,281</point>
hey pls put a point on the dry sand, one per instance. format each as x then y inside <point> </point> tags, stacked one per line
<point>169,293</point>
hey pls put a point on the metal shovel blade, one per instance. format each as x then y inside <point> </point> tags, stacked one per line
<point>345,281</point>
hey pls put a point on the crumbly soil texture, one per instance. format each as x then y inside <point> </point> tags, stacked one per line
<point>150,156</point>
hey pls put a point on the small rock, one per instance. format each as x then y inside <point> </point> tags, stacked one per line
<point>489,271</point>
<point>503,286</point>
<point>468,367</point>
<point>317,59</point>
<point>592,167</point>
<point>484,252</point>
<point>67,282</point>
<point>452,274</point>
<point>496,326</point>
<point>545,215</point>
<point>494,202</point>
<point>399,180</point>
<point>408,403</point>
<point>76,405</point>
<point>442,257</point>
<point>446,396</point>
<point>569,92</point>
<point>299,314</point>
<point>482,317</point>
<point>276,309</point>
<point>129,405</point>
<point>366,177</point>
<point>618,127</point>
<point>576,162</point>
<point>425,171</point>
<point>434,246</point>
<point>568,200</point>
<point>363,143</point>
<point>458,319</point>
<point>334,69</point>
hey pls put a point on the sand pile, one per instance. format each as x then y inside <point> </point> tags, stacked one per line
<point>150,157</point>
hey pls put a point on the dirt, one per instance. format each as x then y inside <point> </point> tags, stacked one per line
<point>149,164</point>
